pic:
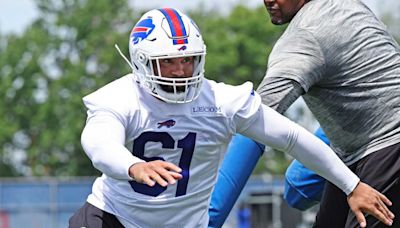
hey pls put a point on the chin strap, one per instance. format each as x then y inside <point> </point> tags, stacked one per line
<point>123,56</point>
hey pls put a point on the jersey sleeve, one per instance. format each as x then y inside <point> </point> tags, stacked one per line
<point>111,99</point>
<point>303,62</point>
<point>279,93</point>
<point>239,103</point>
<point>103,137</point>
<point>293,67</point>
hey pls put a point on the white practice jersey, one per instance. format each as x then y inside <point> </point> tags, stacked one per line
<point>193,136</point>
<point>127,125</point>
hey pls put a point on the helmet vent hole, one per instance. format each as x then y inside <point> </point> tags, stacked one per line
<point>141,57</point>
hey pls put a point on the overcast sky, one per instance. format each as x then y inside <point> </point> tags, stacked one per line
<point>15,15</point>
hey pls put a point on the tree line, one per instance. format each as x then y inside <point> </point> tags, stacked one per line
<point>68,52</point>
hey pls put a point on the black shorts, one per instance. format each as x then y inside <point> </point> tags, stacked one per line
<point>89,216</point>
<point>381,170</point>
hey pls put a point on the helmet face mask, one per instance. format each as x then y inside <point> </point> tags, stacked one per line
<point>166,34</point>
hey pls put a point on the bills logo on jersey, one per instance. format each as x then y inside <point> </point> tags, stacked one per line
<point>167,123</point>
<point>142,30</point>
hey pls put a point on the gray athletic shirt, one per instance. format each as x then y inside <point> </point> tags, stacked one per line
<point>341,57</point>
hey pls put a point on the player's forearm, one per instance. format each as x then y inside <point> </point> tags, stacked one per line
<point>281,133</point>
<point>315,155</point>
<point>103,142</point>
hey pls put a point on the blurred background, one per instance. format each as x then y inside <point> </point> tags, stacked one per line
<point>54,52</point>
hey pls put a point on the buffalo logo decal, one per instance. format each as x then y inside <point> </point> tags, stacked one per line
<point>142,30</point>
<point>167,123</point>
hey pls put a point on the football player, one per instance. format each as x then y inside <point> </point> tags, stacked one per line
<point>158,135</point>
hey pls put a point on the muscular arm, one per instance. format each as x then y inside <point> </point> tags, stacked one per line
<point>279,93</point>
<point>293,68</point>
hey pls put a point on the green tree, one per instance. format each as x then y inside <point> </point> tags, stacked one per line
<point>69,52</point>
<point>238,44</point>
<point>65,54</point>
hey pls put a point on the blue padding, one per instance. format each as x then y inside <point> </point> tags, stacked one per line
<point>321,135</point>
<point>237,166</point>
<point>303,187</point>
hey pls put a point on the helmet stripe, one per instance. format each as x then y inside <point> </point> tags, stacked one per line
<point>175,22</point>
